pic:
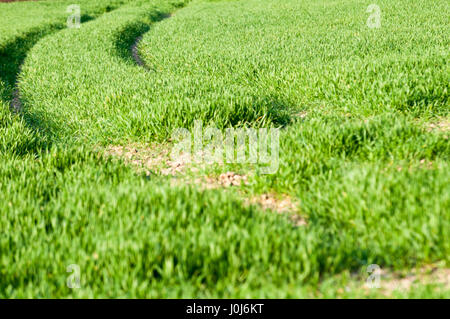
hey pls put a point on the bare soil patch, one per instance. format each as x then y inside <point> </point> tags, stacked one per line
<point>399,281</point>
<point>442,125</point>
<point>155,159</point>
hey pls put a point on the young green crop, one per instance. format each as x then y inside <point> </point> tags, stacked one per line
<point>22,25</point>
<point>352,103</point>
<point>355,156</point>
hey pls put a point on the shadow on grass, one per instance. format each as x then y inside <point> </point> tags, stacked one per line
<point>128,38</point>
<point>259,112</point>
<point>256,111</point>
<point>12,56</point>
<point>14,53</point>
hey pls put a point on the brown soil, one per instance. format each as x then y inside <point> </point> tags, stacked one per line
<point>391,281</point>
<point>155,159</point>
<point>442,125</point>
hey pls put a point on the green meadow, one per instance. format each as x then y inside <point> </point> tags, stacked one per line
<point>363,119</point>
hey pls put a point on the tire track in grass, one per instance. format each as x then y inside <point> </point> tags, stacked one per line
<point>24,45</point>
<point>46,89</point>
<point>16,104</point>
<point>281,204</point>
<point>134,49</point>
<point>136,34</point>
<point>135,53</point>
<point>12,58</point>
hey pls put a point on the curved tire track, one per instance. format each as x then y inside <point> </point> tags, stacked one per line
<point>135,53</point>
<point>134,49</point>
<point>16,105</point>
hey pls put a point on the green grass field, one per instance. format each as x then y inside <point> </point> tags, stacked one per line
<point>363,158</point>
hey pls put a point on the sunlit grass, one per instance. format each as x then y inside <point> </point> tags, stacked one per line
<point>370,179</point>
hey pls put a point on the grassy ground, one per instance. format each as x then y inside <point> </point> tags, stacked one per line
<point>357,153</point>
